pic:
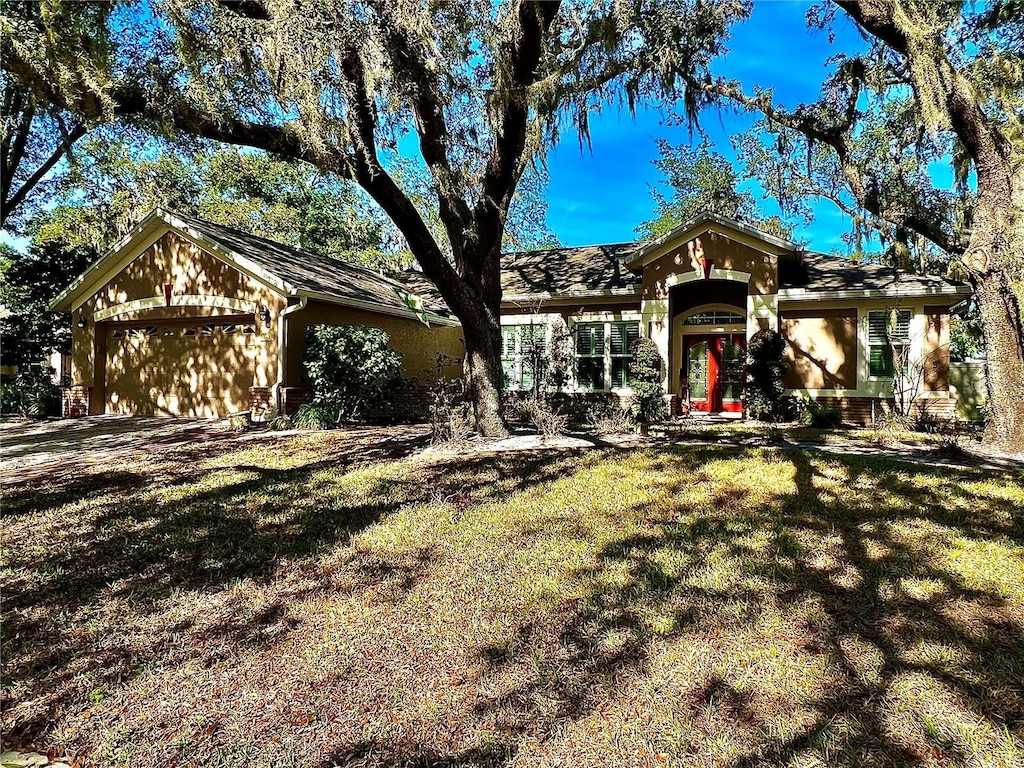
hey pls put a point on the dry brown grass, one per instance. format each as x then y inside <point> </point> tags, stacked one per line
<point>335,600</point>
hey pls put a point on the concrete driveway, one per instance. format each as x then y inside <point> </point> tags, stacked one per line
<point>32,448</point>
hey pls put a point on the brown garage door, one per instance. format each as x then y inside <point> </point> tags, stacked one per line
<point>173,369</point>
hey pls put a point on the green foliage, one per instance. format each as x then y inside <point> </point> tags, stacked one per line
<point>648,400</point>
<point>317,415</point>
<point>33,395</point>
<point>350,366</point>
<point>765,369</point>
<point>64,48</point>
<point>702,181</point>
<point>284,201</point>
<point>28,283</point>
<point>820,416</point>
<point>966,335</point>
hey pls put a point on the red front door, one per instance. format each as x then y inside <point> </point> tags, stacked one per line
<point>714,372</point>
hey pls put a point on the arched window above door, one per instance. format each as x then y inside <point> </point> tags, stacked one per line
<point>714,317</point>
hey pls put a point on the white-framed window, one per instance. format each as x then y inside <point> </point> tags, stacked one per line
<point>888,341</point>
<point>523,348</point>
<point>603,353</point>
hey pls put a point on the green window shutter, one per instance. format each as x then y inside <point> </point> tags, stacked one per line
<point>620,372</point>
<point>876,327</point>
<point>508,341</point>
<point>508,370</point>
<point>632,334</point>
<point>623,336</point>
<point>900,330</point>
<point>590,339</point>
<point>619,344</point>
<point>590,372</point>
<point>888,331</point>
<point>881,361</point>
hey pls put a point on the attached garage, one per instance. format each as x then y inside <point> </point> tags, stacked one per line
<point>195,319</point>
<point>181,368</point>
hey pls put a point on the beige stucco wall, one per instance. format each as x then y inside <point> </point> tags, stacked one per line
<point>936,348</point>
<point>191,271</point>
<point>418,344</point>
<point>822,348</point>
<point>726,253</point>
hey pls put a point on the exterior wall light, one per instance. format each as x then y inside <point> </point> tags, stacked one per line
<point>82,321</point>
<point>265,315</point>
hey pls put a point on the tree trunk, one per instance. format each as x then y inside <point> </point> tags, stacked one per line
<point>1004,363</point>
<point>996,239</point>
<point>482,333</point>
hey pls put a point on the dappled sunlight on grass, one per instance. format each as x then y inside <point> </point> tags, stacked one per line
<point>674,605</point>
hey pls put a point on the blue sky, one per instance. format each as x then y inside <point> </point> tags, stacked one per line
<point>601,196</point>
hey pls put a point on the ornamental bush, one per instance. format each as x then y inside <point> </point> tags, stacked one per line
<point>33,395</point>
<point>648,402</point>
<point>348,367</point>
<point>765,369</point>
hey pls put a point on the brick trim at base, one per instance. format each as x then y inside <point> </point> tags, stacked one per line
<point>75,402</point>
<point>868,410</point>
<point>261,403</point>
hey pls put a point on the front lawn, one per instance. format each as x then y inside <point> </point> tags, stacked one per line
<point>321,600</point>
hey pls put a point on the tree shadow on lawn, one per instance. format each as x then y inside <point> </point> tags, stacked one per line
<point>910,677</point>
<point>830,562</point>
<point>185,548</point>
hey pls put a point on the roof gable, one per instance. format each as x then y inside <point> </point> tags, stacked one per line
<point>722,225</point>
<point>283,269</point>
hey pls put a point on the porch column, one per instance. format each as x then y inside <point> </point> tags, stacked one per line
<point>655,326</point>
<point>762,312</point>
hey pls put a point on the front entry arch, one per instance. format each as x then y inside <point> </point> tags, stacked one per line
<point>714,372</point>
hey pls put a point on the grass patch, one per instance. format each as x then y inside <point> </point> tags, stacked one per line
<point>329,602</point>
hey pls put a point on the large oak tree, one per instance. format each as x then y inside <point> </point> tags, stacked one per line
<point>941,82</point>
<point>478,89</point>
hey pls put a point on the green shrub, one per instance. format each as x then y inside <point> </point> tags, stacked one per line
<point>31,394</point>
<point>349,367</point>
<point>648,400</point>
<point>821,416</point>
<point>316,415</point>
<point>765,369</point>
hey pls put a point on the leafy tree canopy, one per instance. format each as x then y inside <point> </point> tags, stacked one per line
<point>29,333</point>
<point>702,181</point>
<point>98,202</point>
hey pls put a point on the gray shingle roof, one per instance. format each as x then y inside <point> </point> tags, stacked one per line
<point>308,272</point>
<point>560,271</point>
<point>818,272</point>
<point>553,271</point>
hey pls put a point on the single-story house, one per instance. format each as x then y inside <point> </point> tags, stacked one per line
<point>191,318</point>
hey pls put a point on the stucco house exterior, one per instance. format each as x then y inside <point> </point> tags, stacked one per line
<point>190,318</point>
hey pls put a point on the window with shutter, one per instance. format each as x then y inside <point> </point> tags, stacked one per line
<point>888,340</point>
<point>603,354</point>
<point>523,349</point>
<point>622,337</point>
